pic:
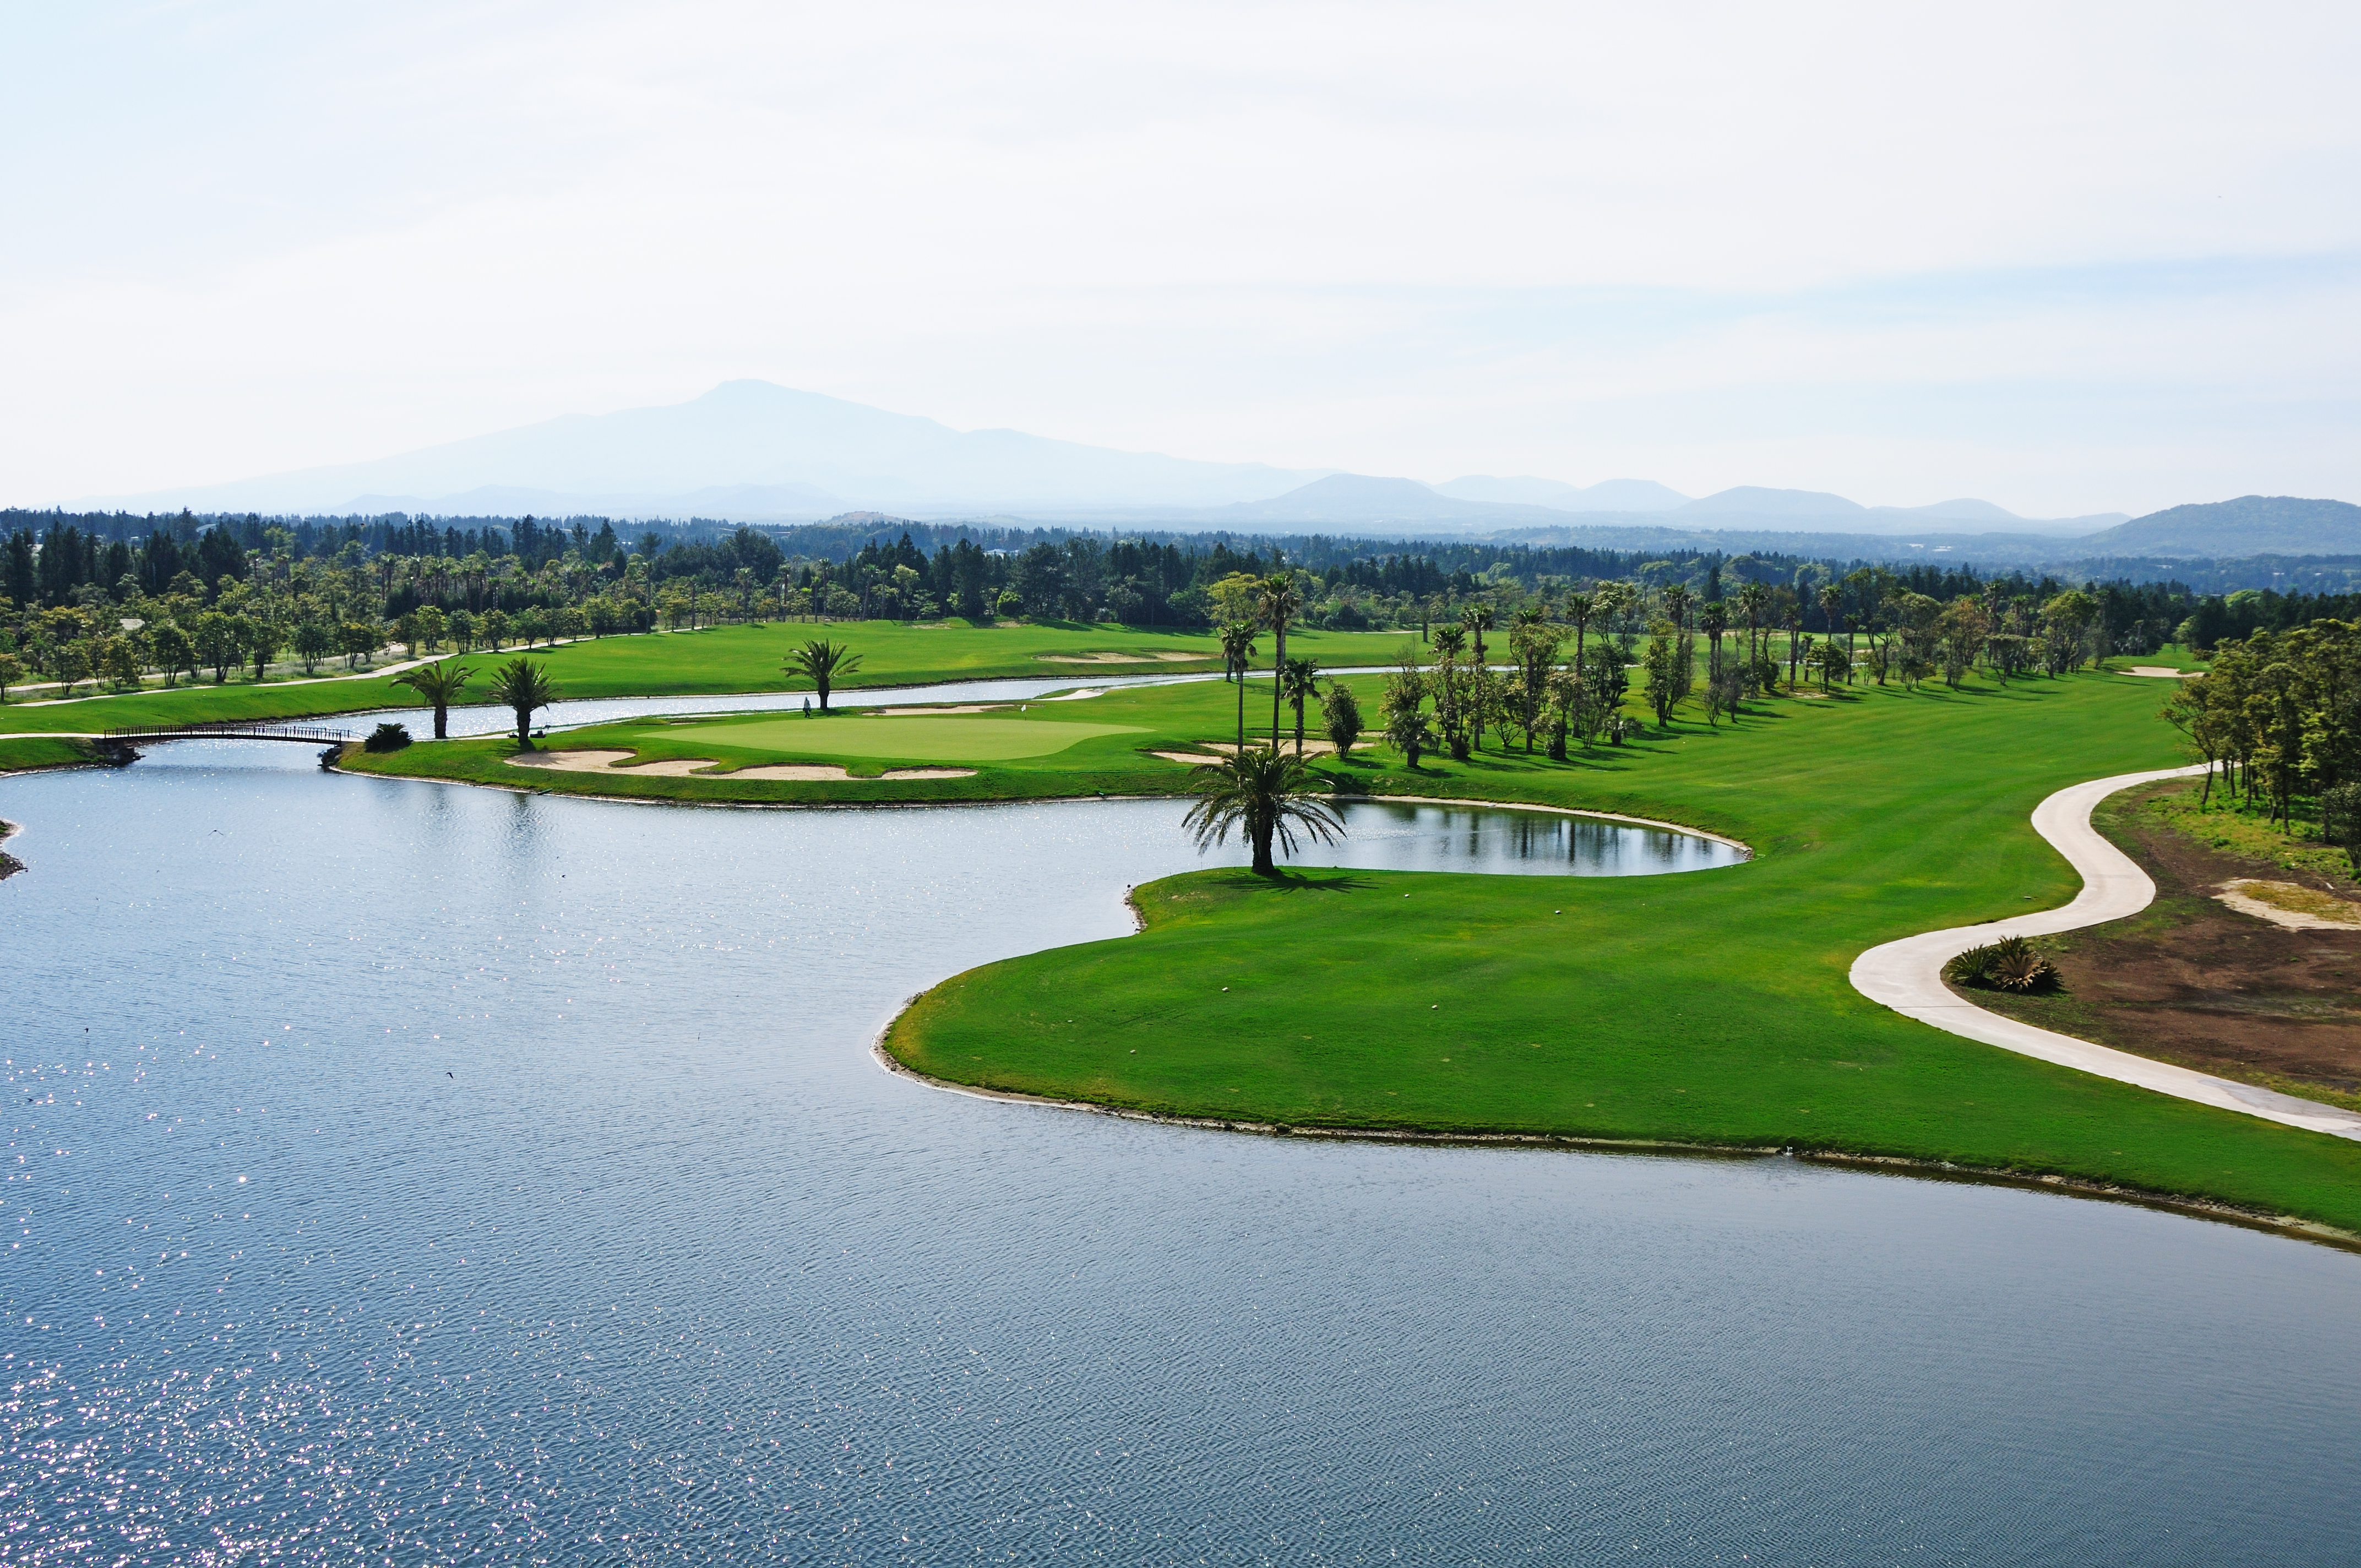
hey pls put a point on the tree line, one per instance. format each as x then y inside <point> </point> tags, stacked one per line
<point>2277,720</point>
<point>101,603</point>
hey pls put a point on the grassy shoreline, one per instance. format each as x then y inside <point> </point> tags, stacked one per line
<point>2250,1217</point>
<point>1709,1009</point>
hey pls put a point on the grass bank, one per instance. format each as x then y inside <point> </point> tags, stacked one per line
<point>1710,1008</point>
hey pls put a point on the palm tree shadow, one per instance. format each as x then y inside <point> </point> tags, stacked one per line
<point>1317,878</point>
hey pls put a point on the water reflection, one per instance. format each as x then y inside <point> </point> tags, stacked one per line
<point>1390,836</point>
<point>409,1174</point>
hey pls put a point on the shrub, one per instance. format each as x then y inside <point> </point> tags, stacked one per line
<point>387,738</point>
<point>2340,818</point>
<point>2009,964</point>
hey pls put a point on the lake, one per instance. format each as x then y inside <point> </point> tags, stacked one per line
<point>410,1173</point>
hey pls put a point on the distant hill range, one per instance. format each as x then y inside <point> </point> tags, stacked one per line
<point>2251,525</point>
<point>753,452</point>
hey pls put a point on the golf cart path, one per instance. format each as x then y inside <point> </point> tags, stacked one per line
<point>1907,975</point>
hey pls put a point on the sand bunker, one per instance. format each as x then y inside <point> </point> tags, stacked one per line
<point>1310,748</point>
<point>703,768</point>
<point>2287,904</point>
<point>816,771</point>
<point>2158,672</point>
<point>1123,658</point>
<point>598,762</point>
<point>1188,757</point>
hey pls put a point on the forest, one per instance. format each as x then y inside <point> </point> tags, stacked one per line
<point>120,600</point>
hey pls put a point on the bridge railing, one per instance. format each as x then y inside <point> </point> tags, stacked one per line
<point>232,729</point>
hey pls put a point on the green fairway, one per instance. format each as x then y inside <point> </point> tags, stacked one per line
<point>1706,1008</point>
<point>1100,744</point>
<point>720,661</point>
<point>928,738</point>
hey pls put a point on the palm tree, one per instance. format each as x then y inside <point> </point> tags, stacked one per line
<point>522,685</point>
<point>1265,795</point>
<point>1578,609</point>
<point>1477,620</point>
<point>1299,681</point>
<point>1750,600</point>
<point>1279,603</point>
<point>439,684</point>
<point>820,662</point>
<point>1237,648</point>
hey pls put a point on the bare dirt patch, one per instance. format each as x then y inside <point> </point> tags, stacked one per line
<point>2191,982</point>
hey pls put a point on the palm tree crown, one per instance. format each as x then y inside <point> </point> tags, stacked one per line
<point>522,685</point>
<point>1265,795</point>
<point>820,662</point>
<point>439,684</point>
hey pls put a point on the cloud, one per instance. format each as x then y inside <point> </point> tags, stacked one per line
<point>2062,258</point>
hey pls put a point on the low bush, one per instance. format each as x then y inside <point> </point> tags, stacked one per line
<point>387,738</point>
<point>2009,964</point>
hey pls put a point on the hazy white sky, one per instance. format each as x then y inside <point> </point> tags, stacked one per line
<point>2068,259</point>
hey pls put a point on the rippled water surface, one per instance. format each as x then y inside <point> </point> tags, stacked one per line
<point>402,1173</point>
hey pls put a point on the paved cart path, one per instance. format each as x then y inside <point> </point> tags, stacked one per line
<point>1907,975</point>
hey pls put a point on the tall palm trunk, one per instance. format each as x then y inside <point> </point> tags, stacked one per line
<point>1279,664</point>
<point>1242,711</point>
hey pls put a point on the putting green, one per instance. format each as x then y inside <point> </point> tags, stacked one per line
<point>951,738</point>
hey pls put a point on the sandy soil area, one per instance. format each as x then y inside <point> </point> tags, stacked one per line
<point>2158,672</point>
<point>2289,905</point>
<point>1189,759</point>
<point>702,767</point>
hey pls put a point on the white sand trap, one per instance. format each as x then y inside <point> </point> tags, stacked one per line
<point>1123,658</point>
<point>2289,905</point>
<point>2158,672</point>
<point>1310,748</point>
<point>702,768</point>
<point>812,772</point>
<point>599,762</point>
<point>1191,759</point>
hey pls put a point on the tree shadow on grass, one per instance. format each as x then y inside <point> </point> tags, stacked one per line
<point>1292,880</point>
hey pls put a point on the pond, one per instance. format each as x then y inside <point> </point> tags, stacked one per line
<point>419,1174</point>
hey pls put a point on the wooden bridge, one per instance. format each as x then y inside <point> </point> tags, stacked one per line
<point>233,730</point>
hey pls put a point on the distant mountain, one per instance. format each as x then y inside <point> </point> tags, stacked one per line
<point>2251,525</point>
<point>752,503</point>
<point>1754,500</point>
<point>753,434</point>
<point>1608,494</point>
<point>1362,500</point>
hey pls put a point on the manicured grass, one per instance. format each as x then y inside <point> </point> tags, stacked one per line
<point>877,738</point>
<point>1706,1008</point>
<point>1028,751</point>
<point>44,753</point>
<point>728,659</point>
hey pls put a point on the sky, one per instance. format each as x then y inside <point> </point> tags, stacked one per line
<point>2065,258</point>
